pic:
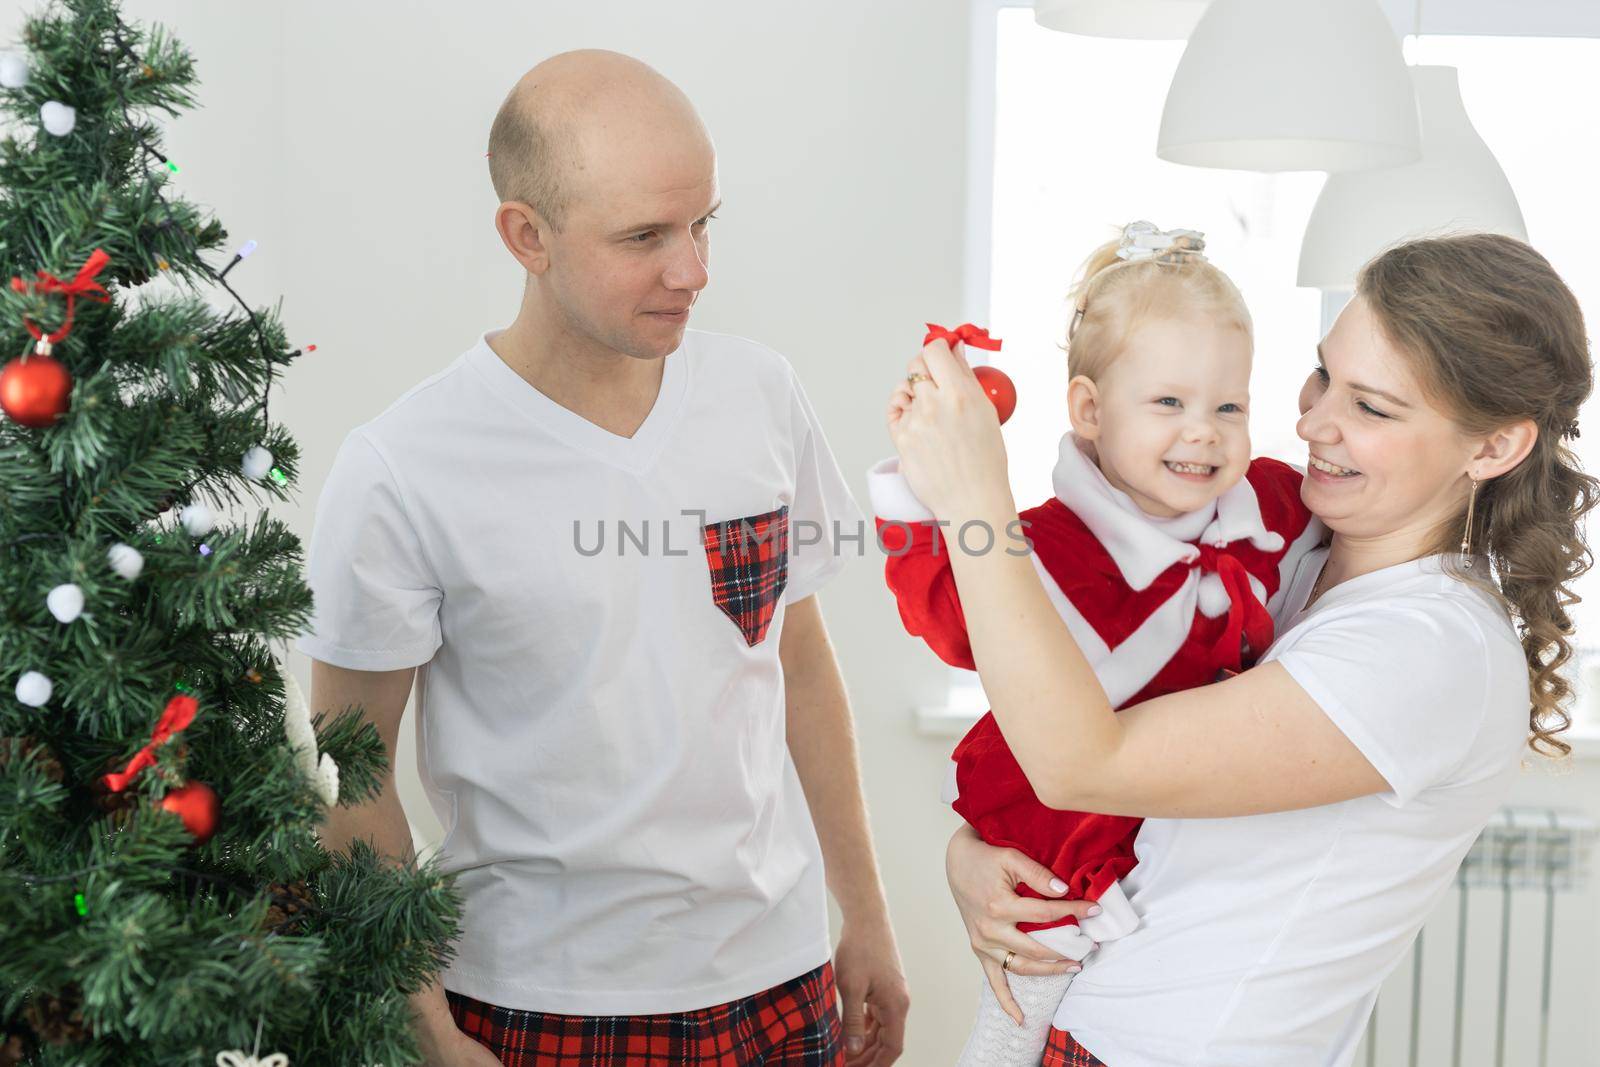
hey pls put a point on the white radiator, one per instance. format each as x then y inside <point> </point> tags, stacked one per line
<point>1509,949</point>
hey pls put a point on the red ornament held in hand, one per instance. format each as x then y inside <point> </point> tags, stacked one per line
<point>36,389</point>
<point>997,385</point>
<point>198,806</point>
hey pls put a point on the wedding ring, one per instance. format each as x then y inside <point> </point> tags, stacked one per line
<point>1006,966</point>
<point>919,377</point>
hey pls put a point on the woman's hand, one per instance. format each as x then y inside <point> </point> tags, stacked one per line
<point>984,881</point>
<point>948,437</point>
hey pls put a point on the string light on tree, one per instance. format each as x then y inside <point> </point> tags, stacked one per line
<point>238,257</point>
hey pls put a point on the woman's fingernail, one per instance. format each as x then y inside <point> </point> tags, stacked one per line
<point>854,1044</point>
<point>1058,885</point>
<point>1075,968</point>
<point>1094,909</point>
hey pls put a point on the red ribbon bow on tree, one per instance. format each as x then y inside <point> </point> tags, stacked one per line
<point>178,715</point>
<point>82,284</point>
<point>1247,617</point>
<point>976,336</point>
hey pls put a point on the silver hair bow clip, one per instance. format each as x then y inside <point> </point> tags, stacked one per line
<point>1143,240</point>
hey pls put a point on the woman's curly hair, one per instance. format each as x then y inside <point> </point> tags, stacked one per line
<point>1496,337</point>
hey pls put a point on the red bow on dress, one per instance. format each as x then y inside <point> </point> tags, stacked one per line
<point>1247,617</point>
<point>178,715</point>
<point>976,336</point>
<point>82,284</point>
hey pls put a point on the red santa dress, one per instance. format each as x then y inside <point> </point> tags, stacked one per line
<point>1156,605</point>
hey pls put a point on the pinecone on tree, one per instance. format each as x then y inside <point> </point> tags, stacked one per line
<point>57,1020</point>
<point>18,748</point>
<point>290,903</point>
<point>13,1050</point>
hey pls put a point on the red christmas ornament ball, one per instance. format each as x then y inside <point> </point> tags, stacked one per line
<point>198,806</point>
<point>35,390</point>
<point>1000,390</point>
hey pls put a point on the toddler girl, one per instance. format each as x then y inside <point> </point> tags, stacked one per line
<point>1163,548</point>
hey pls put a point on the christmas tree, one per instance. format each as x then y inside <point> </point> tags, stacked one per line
<point>164,898</point>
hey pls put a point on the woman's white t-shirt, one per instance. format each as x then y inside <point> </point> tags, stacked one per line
<point>601,740</point>
<point>1264,938</point>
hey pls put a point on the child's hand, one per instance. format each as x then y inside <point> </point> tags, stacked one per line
<point>948,437</point>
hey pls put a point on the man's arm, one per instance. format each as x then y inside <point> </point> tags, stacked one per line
<point>382,697</point>
<point>821,736</point>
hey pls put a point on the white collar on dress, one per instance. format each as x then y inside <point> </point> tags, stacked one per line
<point>1141,545</point>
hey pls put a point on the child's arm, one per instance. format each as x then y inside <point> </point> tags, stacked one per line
<point>917,567</point>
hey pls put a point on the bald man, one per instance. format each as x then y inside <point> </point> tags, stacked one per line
<point>593,542</point>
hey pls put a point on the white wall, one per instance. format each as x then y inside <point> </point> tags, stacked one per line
<point>348,139</point>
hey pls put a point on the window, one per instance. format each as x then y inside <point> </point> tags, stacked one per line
<point>1073,131</point>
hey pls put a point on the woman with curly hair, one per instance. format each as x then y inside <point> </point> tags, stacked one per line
<point>1303,817</point>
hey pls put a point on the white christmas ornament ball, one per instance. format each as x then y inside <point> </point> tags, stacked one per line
<point>197,520</point>
<point>126,561</point>
<point>65,602</point>
<point>60,119</point>
<point>257,463</point>
<point>13,70</point>
<point>33,689</point>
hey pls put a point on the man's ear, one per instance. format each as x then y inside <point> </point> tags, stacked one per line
<point>1503,449</point>
<point>525,233</point>
<point>1083,407</point>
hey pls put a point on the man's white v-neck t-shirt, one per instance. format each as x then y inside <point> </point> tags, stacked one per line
<point>600,718</point>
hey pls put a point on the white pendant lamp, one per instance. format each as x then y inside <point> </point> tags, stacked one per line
<point>1458,186</point>
<point>1147,20</point>
<point>1274,85</point>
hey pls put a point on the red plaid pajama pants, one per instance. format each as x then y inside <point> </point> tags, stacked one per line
<point>795,1024</point>
<point>1062,1051</point>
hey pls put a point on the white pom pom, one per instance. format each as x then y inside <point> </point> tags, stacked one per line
<point>197,520</point>
<point>60,119</point>
<point>65,602</point>
<point>13,70</point>
<point>34,689</point>
<point>1214,598</point>
<point>326,780</point>
<point>126,561</point>
<point>257,463</point>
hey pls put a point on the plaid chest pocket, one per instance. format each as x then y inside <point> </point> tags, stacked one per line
<point>749,563</point>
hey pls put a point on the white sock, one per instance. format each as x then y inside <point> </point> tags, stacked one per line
<point>997,1041</point>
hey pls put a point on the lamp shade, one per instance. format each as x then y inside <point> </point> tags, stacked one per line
<point>1275,85</point>
<point>1150,20</point>
<point>1457,186</point>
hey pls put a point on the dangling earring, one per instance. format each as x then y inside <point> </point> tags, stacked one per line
<point>1466,536</point>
